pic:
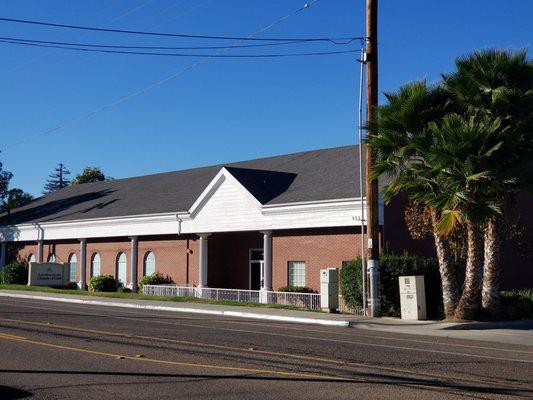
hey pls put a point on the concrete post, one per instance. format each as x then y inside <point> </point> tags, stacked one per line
<point>40,251</point>
<point>134,263</point>
<point>82,284</point>
<point>266,279</point>
<point>3,255</point>
<point>373,270</point>
<point>202,260</point>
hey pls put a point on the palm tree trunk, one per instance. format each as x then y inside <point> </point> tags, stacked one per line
<point>469,303</point>
<point>490,294</point>
<point>448,274</point>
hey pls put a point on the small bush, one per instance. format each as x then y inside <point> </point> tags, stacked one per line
<point>155,279</point>
<point>71,285</point>
<point>352,284</point>
<point>103,283</point>
<point>517,304</point>
<point>295,289</point>
<point>123,289</point>
<point>14,273</point>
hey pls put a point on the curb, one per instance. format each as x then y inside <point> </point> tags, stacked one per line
<point>239,314</point>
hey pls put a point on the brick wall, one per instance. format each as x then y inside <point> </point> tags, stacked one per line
<point>326,248</point>
<point>177,258</point>
<point>228,254</point>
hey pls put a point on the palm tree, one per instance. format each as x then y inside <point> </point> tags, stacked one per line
<point>462,155</point>
<point>403,146</point>
<point>496,87</point>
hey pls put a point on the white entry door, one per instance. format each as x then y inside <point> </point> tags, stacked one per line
<point>256,269</point>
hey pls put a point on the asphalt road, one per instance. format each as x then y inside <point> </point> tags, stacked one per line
<point>54,350</point>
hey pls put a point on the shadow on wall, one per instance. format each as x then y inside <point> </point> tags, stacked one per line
<point>9,233</point>
<point>42,208</point>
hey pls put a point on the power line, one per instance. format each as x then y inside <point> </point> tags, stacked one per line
<point>180,35</point>
<point>109,46</point>
<point>272,55</point>
<point>155,84</point>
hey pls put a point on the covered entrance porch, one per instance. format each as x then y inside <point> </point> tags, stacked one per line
<point>235,260</point>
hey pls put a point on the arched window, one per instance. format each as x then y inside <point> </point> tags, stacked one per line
<point>95,264</point>
<point>31,258</point>
<point>73,263</point>
<point>149,263</point>
<point>51,257</point>
<point>122,267</point>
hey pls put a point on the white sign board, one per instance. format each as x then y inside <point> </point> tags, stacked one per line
<point>48,274</point>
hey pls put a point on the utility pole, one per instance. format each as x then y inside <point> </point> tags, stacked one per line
<point>372,187</point>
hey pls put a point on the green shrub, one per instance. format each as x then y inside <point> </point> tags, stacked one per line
<point>351,284</point>
<point>123,289</point>
<point>517,304</point>
<point>103,283</point>
<point>391,267</point>
<point>14,273</point>
<point>295,289</point>
<point>155,279</point>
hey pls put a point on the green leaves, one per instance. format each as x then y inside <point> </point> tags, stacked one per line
<point>463,147</point>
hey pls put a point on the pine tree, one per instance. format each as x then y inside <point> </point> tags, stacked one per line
<point>57,179</point>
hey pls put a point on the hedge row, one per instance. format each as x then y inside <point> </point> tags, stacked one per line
<point>392,267</point>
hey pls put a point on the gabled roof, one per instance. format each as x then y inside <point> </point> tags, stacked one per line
<point>318,175</point>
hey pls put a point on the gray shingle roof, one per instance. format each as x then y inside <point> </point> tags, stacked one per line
<point>325,174</point>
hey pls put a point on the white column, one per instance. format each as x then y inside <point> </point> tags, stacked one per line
<point>2,255</point>
<point>40,251</point>
<point>134,263</point>
<point>82,284</point>
<point>266,279</point>
<point>202,260</point>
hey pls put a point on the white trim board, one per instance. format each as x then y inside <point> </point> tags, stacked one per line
<point>224,206</point>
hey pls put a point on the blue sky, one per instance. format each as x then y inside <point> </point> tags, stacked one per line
<point>227,109</point>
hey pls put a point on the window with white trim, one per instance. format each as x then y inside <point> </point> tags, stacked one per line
<point>296,271</point>
<point>95,264</point>
<point>122,268</point>
<point>32,258</point>
<point>51,257</point>
<point>73,264</point>
<point>149,263</point>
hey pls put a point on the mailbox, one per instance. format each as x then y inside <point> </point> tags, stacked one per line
<point>412,297</point>
<point>329,289</point>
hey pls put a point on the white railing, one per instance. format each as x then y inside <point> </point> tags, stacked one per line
<point>169,290</point>
<point>302,300</point>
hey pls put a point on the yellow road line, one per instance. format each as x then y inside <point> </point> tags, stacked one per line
<point>7,335</point>
<point>267,352</point>
<point>180,363</point>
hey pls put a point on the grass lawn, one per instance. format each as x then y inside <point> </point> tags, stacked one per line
<point>137,296</point>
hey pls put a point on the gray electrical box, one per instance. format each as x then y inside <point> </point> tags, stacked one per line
<point>412,297</point>
<point>329,289</point>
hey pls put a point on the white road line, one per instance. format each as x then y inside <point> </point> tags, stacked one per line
<point>419,350</point>
<point>303,329</point>
<point>240,314</point>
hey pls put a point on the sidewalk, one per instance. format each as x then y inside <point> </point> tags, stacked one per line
<point>514,332</point>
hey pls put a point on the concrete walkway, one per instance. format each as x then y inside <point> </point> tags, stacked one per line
<point>514,332</point>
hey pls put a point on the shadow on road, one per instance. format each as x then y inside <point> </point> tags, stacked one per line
<point>377,379</point>
<point>11,393</point>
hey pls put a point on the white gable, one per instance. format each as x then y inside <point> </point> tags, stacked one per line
<point>225,205</point>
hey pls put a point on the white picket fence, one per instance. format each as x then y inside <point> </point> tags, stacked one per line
<point>302,300</point>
